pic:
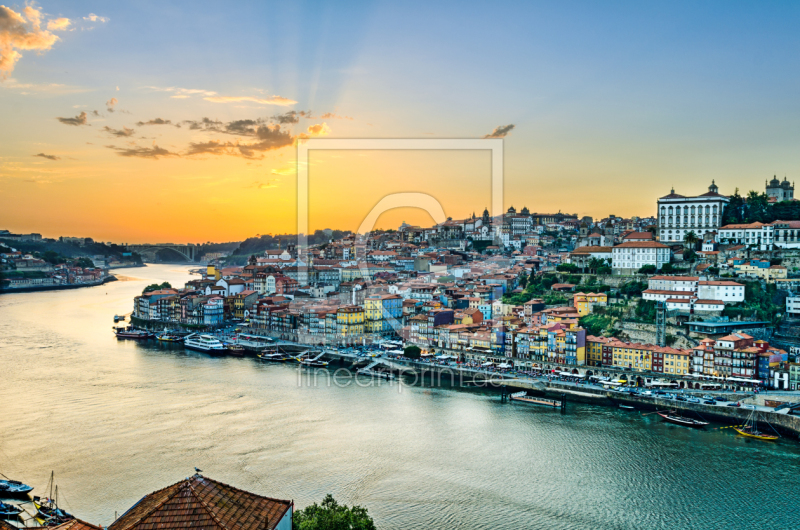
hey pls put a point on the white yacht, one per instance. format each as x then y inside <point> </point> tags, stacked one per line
<point>204,343</point>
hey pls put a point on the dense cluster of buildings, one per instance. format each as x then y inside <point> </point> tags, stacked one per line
<point>46,274</point>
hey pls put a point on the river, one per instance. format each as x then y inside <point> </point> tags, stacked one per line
<point>116,420</point>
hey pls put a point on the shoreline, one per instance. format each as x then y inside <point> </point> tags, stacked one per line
<point>38,288</point>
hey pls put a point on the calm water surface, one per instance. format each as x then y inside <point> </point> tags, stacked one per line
<point>116,420</point>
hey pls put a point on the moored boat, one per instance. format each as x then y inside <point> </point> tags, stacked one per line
<point>672,417</point>
<point>204,343</point>
<point>234,349</point>
<point>627,407</point>
<point>523,397</point>
<point>274,357</point>
<point>8,511</point>
<point>130,333</point>
<point>377,374</point>
<point>750,429</point>
<point>13,488</point>
<point>168,337</point>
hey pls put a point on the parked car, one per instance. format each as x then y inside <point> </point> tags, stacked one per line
<point>693,400</point>
<point>710,402</point>
<point>706,396</point>
<point>721,398</point>
<point>734,404</point>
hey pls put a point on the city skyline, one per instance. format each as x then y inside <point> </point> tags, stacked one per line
<point>122,124</point>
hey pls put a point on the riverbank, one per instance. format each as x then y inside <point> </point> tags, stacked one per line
<point>58,287</point>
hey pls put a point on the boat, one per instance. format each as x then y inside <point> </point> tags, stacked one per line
<point>312,363</point>
<point>750,429</point>
<point>677,419</point>
<point>166,336</point>
<point>204,343</point>
<point>13,488</point>
<point>130,333</point>
<point>275,357</point>
<point>627,407</point>
<point>9,511</point>
<point>234,349</point>
<point>525,398</point>
<point>48,510</point>
<point>119,318</point>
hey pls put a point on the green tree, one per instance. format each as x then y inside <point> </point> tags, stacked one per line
<point>330,515</point>
<point>647,269</point>
<point>568,267</point>
<point>156,287</point>
<point>85,263</point>
<point>412,352</point>
<point>523,280</point>
<point>690,240</point>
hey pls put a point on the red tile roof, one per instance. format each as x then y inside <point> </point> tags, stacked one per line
<point>201,503</point>
<point>76,524</point>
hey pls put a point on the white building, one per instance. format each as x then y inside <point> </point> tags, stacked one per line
<point>629,257</point>
<point>757,235</point>
<point>786,234</point>
<point>723,291</point>
<point>793,305</point>
<point>678,215</point>
<point>673,283</point>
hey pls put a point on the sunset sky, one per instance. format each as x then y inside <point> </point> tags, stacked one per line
<point>146,121</point>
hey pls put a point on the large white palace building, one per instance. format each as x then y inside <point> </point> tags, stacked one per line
<point>678,215</point>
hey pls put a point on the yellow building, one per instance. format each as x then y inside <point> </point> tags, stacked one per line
<point>676,362</point>
<point>213,272</point>
<point>638,357</point>
<point>594,349</point>
<point>584,302</point>
<point>350,321</point>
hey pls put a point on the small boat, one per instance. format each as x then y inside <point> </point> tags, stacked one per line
<point>234,349</point>
<point>119,318</point>
<point>627,407</point>
<point>750,429</point>
<point>274,357</point>
<point>52,514</point>
<point>13,488</point>
<point>312,363</point>
<point>677,419</point>
<point>168,337</point>
<point>9,511</point>
<point>130,333</point>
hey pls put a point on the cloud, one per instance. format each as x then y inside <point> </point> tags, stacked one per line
<point>156,121</point>
<point>181,93</point>
<point>58,24</point>
<point>273,100</point>
<point>263,185</point>
<point>80,119</point>
<point>205,124</point>
<point>319,129</point>
<point>125,132</point>
<point>332,116</point>
<point>52,88</point>
<point>95,18</point>
<point>17,33</point>
<point>292,116</point>
<point>110,104</point>
<point>154,152</point>
<point>269,137</point>
<point>49,157</point>
<point>500,131</point>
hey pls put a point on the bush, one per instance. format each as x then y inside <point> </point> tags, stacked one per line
<point>568,267</point>
<point>330,515</point>
<point>412,352</point>
<point>667,268</point>
<point>647,269</point>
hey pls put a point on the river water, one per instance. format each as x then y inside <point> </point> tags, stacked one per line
<point>116,420</point>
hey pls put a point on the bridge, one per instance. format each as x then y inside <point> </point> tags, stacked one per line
<point>188,251</point>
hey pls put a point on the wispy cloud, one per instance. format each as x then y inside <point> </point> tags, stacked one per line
<point>272,100</point>
<point>181,93</point>
<point>91,17</point>
<point>111,103</point>
<point>155,152</point>
<point>80,119</point>
<point>156,121</point>
<point>125,132</point>
<point>332,116</point>
<point>500,131</point>
<point>51,88</point>
<point>49,157</point>
<point>21,32</point>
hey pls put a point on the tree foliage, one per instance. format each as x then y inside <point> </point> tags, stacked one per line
<point>412,352</point>
<point>156,287</point>
<point>755,207</point>
<point>330,515</point>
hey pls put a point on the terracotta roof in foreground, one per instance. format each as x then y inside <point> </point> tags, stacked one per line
<point>76,524</point>
<point>201,503</point>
